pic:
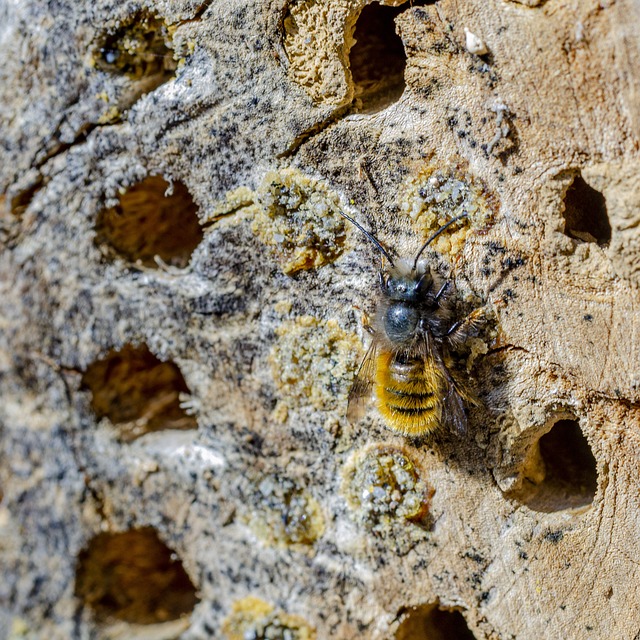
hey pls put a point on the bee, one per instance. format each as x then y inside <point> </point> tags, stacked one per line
<point>408,364</point>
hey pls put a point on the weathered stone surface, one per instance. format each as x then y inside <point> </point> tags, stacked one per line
<point>252,108</point>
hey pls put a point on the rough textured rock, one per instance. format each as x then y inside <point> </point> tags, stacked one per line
<point>185,414</point>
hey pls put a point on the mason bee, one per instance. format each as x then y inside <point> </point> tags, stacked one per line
<point>408,365</point>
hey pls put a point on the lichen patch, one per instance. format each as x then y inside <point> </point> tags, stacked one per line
<point>313,362</point>
<point>283,513</point>
<point>299,218</point>
<point>254,618</point>
<point>387,495</point>
<point>436,195</point>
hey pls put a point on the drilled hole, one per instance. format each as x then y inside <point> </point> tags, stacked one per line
<point>569,471</point>
<point>137,392</point>
<point>140,48</point>
<point>585,213</point>
<point>133,576</point>
<point>430,622</point>
<point>147,223</point>
<point>377,59</point>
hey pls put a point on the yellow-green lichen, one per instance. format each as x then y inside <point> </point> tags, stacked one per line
<point>313,362</point>
<point>387,495</point>
<point>299,217</point>
<point>282,513</point>
<point>436,195</point>
<point>256,619</point>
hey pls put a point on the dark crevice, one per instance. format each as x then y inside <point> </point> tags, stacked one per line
<point>585,213</point>
<point>315,130</point>
<point>21,202</point>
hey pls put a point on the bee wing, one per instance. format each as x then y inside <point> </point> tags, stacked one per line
<point>453,413</point>
<point>452,405</point>
<point>362,385</point>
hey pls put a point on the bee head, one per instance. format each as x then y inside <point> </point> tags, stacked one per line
<point>403,284</point>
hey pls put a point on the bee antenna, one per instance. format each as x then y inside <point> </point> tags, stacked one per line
<point>369,235</point>
<point>435,235</point>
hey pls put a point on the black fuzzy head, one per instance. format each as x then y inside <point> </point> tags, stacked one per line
<point>411,287</point>
<point>412,302</point>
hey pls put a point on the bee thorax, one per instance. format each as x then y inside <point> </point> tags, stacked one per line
<point>400,322</point>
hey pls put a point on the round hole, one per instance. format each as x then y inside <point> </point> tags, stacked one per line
<point>140,48</point>
<point>560,471</point>
<point>431,622</point>
<point>137,392</point>
<point>585,213</point>
<point>147,223</point>
<point>133,576</point>
<point>377,59</point>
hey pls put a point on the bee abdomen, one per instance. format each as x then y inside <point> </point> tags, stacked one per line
<point>407,401</point>
<point>409,394</point>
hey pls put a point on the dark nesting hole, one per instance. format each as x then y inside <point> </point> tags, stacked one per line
<point>133,576</point>
<point>137,392</point>
<point>140,48</point>
<point>570,476</point>
<point>378,59</point>
<point>147,223</point>
<point>585,213</point>
<point>431,622</point>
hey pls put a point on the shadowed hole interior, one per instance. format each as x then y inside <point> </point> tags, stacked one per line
<point>152,219</point>
<point>137,392</point>
<point>430,622</point>
<point>570,476</point>
<point>585,213</point>
<point>378,59</point>
<point>140,47</point>
<point>133,576</point>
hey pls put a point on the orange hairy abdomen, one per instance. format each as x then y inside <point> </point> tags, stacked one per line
<point>409,395</point>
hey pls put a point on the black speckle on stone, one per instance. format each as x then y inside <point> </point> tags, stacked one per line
<point>476,557</point>
<point>554,536</point>
<point>587,317</point>
<point>510,263</point>
<point>494,248</point>
<point>219,305</point>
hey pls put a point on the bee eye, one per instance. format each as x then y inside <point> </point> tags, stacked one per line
<point>384,280</point>
<point>424,283</point>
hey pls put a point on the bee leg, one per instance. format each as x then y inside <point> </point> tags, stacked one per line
<point>366,324</point>
<point>443,288</point>
<point>366,321</point>
<point>461,330</point>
